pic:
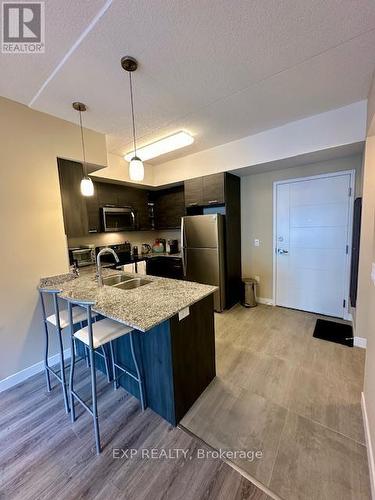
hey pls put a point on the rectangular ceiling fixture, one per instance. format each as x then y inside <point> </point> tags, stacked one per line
<point>166,145</point>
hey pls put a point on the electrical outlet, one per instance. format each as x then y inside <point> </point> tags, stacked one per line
<point>256,243</point>
<point>257,279</point>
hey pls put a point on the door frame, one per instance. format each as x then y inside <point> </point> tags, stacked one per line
<point>347,315</point>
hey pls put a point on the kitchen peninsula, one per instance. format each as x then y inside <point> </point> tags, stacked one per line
<point>175,341</point>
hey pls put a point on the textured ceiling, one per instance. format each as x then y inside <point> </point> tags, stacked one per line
<point>221,70</point>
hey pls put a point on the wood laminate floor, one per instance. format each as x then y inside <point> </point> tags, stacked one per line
<point>292,397</point>
<point>44,456</point>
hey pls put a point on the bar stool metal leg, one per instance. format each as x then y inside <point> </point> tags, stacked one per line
<point>94,401</point>
<point>106,363</point>
<point>140,378</point>
<point>72,364</point>
<point>114,372</point>
<point>46,367</point>
<point>61,354</point>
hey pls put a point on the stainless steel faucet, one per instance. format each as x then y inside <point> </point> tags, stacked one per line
<point>98,263</point>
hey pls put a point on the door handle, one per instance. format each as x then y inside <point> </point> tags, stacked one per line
<point>280,251</point>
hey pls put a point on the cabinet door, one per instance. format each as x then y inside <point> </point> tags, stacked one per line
<point>73,203</point>
<point>93,212</point>
<point>213,189</point>
<point>193,192</point>
<point>169,208</point>
<point>107,194</point>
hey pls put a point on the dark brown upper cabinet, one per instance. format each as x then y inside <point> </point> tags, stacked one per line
<point>169,207</point>
<point>73,203</point>
<point>193,192</point>
<point>205,191</point>
<point>213,189</point>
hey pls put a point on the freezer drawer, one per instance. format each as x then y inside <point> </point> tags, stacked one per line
<point>206,265</point>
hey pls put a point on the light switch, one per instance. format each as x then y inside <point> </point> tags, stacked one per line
<point>373,272</point>
<point>256,243</point>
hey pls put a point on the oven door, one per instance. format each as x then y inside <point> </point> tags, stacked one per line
<point>118,219</point>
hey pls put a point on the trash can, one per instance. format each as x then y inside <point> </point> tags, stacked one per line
<point>249,292</point>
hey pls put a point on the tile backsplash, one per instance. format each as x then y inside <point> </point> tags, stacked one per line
<point>135,238</point>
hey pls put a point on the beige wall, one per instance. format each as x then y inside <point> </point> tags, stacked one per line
<point>33,240</point>
<point>257,215</point>
<point>365,319</point>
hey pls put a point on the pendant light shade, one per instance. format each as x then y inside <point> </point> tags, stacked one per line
<point>136,168</point>
<point>87,186</point>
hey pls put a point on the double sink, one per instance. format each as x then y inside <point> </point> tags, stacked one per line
<point>125,282</point>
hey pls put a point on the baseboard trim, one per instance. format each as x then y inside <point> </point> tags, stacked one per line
<point>360,342</point>
<point>266,301</point>
<point>21,376</point>
<point>370,454</point>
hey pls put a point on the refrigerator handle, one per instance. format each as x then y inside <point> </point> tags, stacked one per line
<point>183,247</point>
<point>183,261</point>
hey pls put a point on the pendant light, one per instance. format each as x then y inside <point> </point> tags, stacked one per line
<point>87,186</point>
<point>136,168</point>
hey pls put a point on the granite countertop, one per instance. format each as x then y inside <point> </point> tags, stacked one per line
<point>140,308</point>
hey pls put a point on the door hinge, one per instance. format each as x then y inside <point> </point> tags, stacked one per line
<point>344,303</point>
<point>350,191</point>
<point>347,249</point>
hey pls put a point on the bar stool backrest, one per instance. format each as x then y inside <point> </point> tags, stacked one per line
<point>54,293</point>
<point>87,305</point>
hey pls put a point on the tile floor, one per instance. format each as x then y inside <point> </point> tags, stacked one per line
<point>295,398</point>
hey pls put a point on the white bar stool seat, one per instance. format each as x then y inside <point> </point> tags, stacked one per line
<point>103,331</point>
<point>79,315</point>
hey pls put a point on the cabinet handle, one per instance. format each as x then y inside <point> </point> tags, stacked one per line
<point>191,204</point>
<point>212,201</point>
<point>93,230</point>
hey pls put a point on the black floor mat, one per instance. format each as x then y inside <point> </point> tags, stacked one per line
<point>334,332</point>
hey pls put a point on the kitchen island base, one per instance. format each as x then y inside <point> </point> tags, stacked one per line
<point>177,359</point>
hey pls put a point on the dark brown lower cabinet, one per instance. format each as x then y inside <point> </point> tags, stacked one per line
<point>166,267</point>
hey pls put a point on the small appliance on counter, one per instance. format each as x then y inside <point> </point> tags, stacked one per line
<point>146,249</point>
<point>172,246</point>
<point>158,246</point>
<point>82,256</point>
<point>123,251</point>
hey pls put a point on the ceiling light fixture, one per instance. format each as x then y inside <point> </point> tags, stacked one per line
<point>136,168</point>
<point>87,186</point>
<point>165,145</point>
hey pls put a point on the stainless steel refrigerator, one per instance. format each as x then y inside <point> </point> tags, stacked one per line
<point>202,240</point>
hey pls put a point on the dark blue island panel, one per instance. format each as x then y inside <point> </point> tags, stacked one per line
<point>177,360</point>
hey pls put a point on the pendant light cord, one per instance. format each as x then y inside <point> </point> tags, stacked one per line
<point>83,144</point>
<point>132,107</point>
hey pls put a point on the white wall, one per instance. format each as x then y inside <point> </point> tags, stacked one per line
<point>31,222</point>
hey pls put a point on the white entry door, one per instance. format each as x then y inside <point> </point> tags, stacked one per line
<point>312,243</point>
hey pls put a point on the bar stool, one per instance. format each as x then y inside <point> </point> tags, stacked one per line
<point>95,336</point>
<point>60,320</point>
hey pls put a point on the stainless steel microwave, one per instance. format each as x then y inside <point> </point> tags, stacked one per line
<point>118,219</point>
